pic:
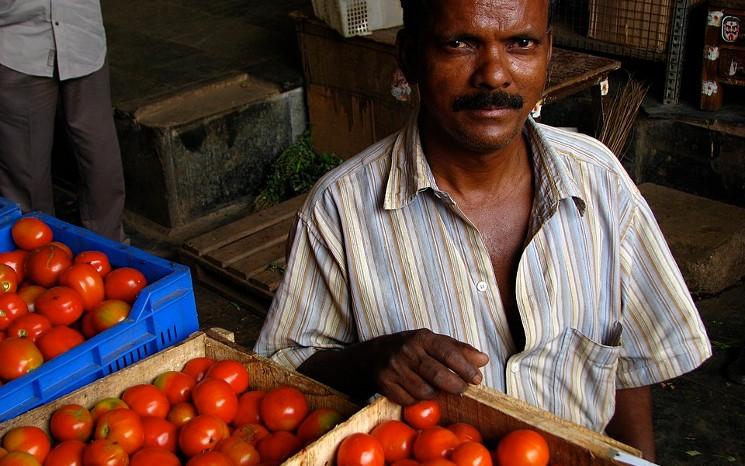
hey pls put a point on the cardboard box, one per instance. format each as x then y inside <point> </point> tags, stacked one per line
<point>494,414</point>
<point>635,23</point>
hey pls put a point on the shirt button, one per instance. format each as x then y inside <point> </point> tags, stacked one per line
<point>481,286</point>
<point>56,23</point>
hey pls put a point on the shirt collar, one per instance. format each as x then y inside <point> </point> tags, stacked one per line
<point>410,173</point>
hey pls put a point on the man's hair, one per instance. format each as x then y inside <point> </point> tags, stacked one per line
<point>416,13</point>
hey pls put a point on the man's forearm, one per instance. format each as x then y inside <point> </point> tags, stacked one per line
<point>632,421</point>
<point>346,370</point>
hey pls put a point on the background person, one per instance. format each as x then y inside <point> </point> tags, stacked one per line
<point>53,57</point>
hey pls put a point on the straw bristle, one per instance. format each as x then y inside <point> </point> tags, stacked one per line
<point>620,115</point>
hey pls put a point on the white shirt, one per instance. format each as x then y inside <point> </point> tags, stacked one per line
<point>378,248</point>
<point>36,35</point>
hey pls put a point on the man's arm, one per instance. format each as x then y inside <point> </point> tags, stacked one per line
<point>405,367</point>
<point>632,422</point>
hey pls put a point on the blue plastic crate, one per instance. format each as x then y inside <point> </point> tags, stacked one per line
<point>163,314</point>
<point>8,209</point>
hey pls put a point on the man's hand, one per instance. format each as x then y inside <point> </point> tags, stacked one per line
<point>405,367</point>
<point>413,365</point>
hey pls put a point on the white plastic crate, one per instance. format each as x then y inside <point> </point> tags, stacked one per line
<point>359,17</point>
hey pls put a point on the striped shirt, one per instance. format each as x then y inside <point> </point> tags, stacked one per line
<point>378,248</point>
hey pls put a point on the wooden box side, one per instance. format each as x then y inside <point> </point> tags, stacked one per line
<point>495,414</point>
<point>264,374</point>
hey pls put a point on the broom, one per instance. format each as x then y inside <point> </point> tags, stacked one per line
<point>620,115</point>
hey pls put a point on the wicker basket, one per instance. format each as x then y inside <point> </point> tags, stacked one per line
<point>359,17</point>
<point>639,24</point>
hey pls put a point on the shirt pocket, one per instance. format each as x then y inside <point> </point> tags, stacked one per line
<point>580,376</point>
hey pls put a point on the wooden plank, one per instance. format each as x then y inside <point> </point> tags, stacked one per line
<point>270,279</point>
<point>252,244</point>
<point>231,232</point>
<point>494,414</point>
<point>342,123</point>
<point>259,262</point>
<point>264,374</point>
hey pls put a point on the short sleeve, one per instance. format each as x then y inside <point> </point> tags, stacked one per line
<point>663,335</point>
<point>310,310</point>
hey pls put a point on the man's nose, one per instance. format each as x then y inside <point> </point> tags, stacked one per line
<point>492,70</point>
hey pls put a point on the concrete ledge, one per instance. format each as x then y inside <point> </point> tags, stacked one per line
<point>707,238</point>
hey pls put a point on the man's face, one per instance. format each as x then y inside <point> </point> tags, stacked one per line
<point>481,66</point>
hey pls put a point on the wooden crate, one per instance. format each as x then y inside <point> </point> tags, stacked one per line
<point>264,375</point>
<point>494,414</point>
<point>245,260</point>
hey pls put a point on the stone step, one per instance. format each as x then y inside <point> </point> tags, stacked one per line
<point>706,237</point>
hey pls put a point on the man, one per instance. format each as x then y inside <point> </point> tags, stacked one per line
<point>476,229</point>
<point>55,52</point>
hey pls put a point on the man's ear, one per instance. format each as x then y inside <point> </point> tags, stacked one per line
<point>405,47</point>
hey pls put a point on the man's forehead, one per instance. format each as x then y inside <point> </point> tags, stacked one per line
<point>500,11</point>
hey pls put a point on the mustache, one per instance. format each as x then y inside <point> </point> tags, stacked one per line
<point>486,100</point>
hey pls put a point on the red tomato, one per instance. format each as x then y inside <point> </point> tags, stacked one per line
<point>30,233</point>
<point>16,260</point>
<point>67,453</point>
<point>202,433</point>
<point>177,386</point>
<point>19,356</point>
<point>283,408</point>
<point>146,400</point>
<point>86,282</point>
<point>397,439</point>
<point>29,326</point>
<point>71,422</point>
<point>248,408</point>
<point>278,446</point>
<point>29,294</point>
<point>45,264</point>
<point>8,279</point>
<point>471,454</point>
<point>216,397</point>
<point>523,448</point>
<point>124,283</point>
<point>317,423</point>
<point>58,340</point>
<point>86,326</point>
<point>108,313</point>
<point>241,453</point>
<point>19,458</point>
<point>438,462</point>
<point>61,305</point>
<point>63,246</point>
<point>210,458</point>
<point>251,433</point>
<point>28,439</point>
<point>423,414</point>
<point>11,307</point>
<point>434,442</point>
<point>232,372</point>
<point>406,462</point>
<point>103,452</point>
<point>465,432</point>
<point>360,450</point>
<point>123,427</point>
<point>197,367</point>
<point>97,259</point>
<point>181,413</point>
<point>105,405</point>
<point>159,433</point>
<point>152,456</point>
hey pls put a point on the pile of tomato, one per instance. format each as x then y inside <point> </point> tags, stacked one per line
<point>203,415</point>
<point>52,300</point>
<point>419,440</point>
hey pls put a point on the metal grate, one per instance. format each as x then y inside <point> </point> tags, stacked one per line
<point>652,30</point>
<point>357,19</point>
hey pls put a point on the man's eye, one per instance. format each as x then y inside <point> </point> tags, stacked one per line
<point>456,44</point>
<point>524,43</point>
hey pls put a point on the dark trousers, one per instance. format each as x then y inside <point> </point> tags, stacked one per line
<point>28,105</point>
